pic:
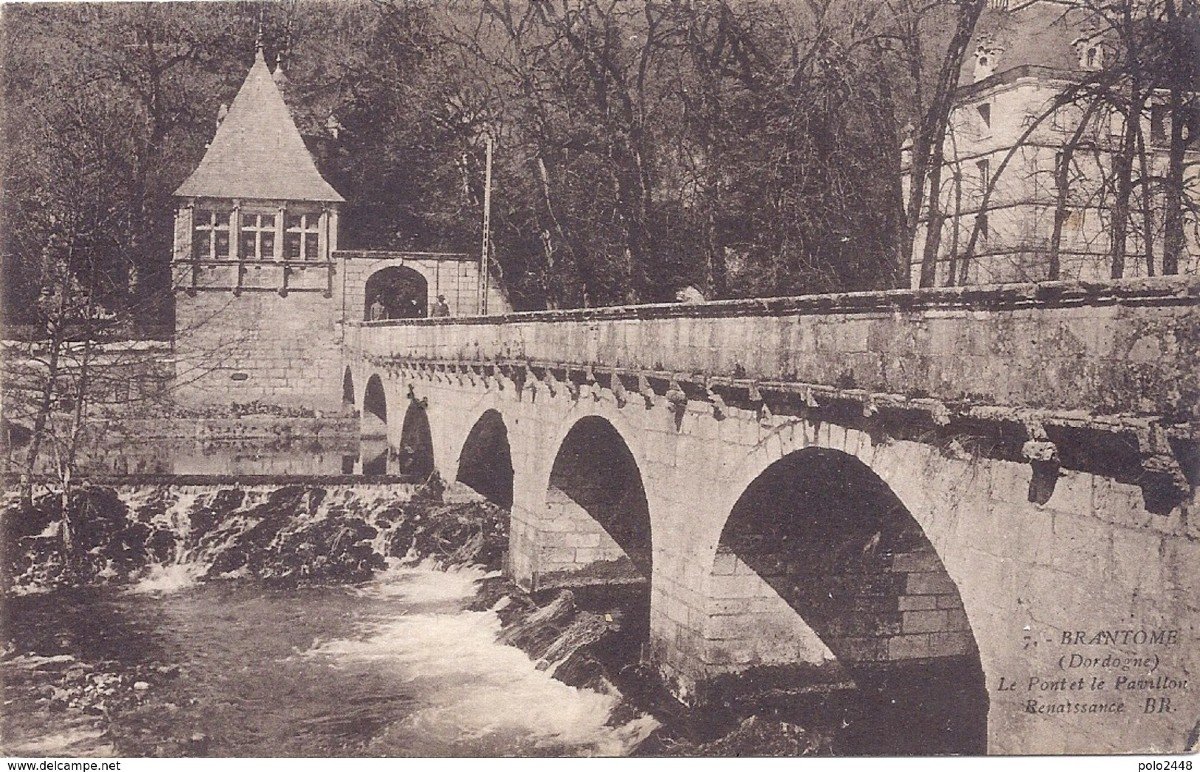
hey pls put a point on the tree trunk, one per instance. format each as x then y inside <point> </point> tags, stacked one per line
<point>1146,175</point>
<point>1062,192</point>
<point>1173,186</point>
<point>928,145</point>
<point>45,408</point>
<point>1173,240</point>
<point>933,230</point>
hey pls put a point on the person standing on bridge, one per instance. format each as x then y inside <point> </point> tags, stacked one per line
<point>377,310</point>
<point>440,307</point>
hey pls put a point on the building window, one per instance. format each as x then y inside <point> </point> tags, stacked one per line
<point>210,234</point>
<point>1191,126</point>
<point>985,177</point>
<point>300,239</point>
<point>985,116</point>
<point>1158,124</point>
<point>258,236</point>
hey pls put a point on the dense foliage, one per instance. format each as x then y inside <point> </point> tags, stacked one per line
<point>746,147</point>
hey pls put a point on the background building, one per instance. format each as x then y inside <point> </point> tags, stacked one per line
<point>261,291</point>
<point>1031,180</point>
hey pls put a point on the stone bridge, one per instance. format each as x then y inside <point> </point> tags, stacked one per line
<point>914,493</point>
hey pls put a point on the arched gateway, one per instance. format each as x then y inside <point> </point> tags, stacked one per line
<point>395,292</point>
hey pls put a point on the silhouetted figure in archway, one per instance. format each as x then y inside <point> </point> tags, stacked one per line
<point>401,292</point>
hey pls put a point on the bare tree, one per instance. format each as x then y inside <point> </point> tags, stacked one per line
<point>934,101</point>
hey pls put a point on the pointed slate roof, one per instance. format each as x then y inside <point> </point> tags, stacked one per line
<point>257,151</point>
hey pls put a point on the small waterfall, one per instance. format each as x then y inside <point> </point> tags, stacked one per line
<point>438,620</point>
<point>158,538</point>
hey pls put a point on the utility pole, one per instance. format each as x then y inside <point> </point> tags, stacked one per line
<point>484,273</point>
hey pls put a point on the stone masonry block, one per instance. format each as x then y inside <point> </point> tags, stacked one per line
<point>916,561</point>
<point>725,564</point>
<point>909,647</point>
<point>923,621</point>
<point>919,602</point>
<point>950,644</point>
<point>949,601</point>
<point>929,584</point>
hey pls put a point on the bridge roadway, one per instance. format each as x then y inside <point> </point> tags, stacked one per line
<point>915,492</point>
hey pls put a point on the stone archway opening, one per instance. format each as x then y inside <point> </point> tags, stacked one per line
<point>485,464</point>
<point>592,535</point>
<point>373,444</point>
<point>415,454</point>
<point>374,412</point>
<point>596,486</point>
<point>823,582</point>
<point>395,292</point>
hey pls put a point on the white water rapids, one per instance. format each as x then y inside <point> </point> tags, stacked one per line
<point>396,666</point>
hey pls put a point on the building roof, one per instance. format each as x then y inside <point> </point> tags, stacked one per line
<point>1036,39</point>
<point>257,151</point>
<point>1039,34</point>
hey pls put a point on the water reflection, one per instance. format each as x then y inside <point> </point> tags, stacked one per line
<point>304,456</point>
<point>374,454</point>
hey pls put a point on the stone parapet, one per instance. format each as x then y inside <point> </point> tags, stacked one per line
<point>1117,348</point>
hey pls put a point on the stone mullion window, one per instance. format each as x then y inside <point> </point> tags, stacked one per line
<point>280,220</point>
<point>301,240</point>
<point>258,236</point>
<point>210,234</point>
<point>235,222</point>
<point>323,232</point>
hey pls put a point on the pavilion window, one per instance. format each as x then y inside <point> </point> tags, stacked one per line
<point>258,236</point>
<point>301,237</point>
<point>210,235</point>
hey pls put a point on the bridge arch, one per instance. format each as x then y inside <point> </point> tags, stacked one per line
<point>373,428</point>
<point>485,463</point>
<point>395,292</point>
<point>590,521</point>
<point>821,574</point>
<point>374,409</point>
<point>415,454</point>
<point>348,392</point>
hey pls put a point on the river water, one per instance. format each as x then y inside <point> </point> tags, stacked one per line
<point>394,667</point>
<point>334,615</point>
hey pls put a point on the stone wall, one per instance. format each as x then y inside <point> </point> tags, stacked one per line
<point>560,544</point>
<point>126,378</point>
<point>258,347</point>
<point>904,608</point>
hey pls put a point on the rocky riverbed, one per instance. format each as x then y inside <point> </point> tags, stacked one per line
<point>125,647</point>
